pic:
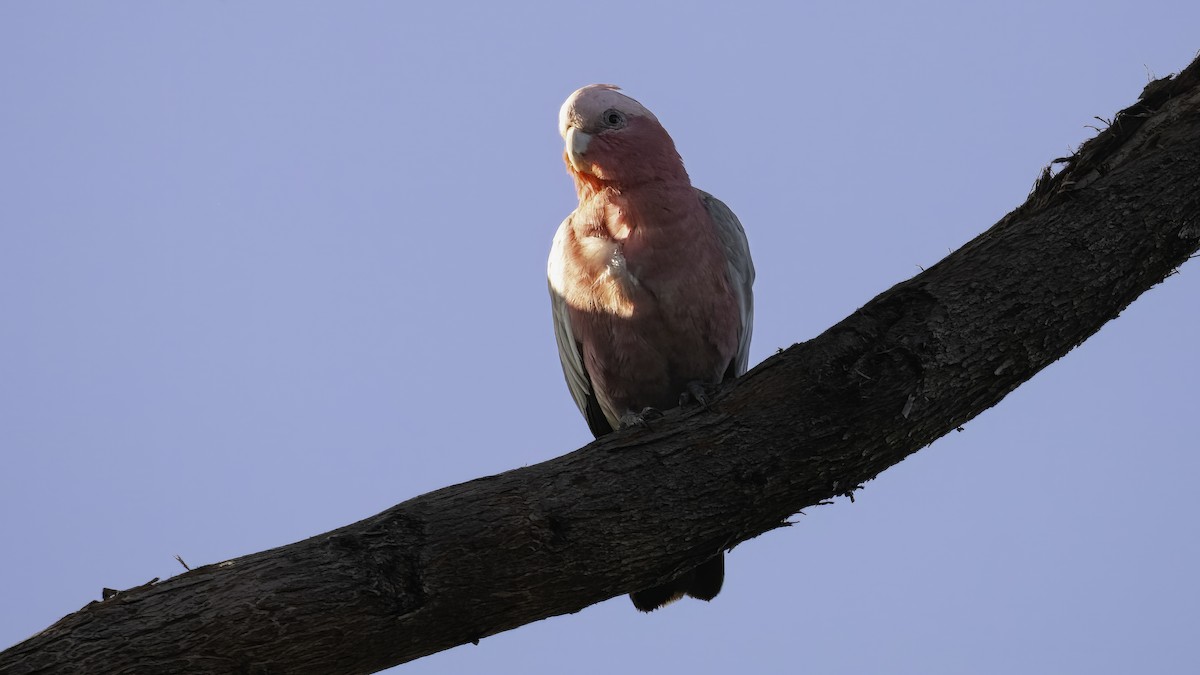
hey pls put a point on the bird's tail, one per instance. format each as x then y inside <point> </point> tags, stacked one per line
<point>703,583</point>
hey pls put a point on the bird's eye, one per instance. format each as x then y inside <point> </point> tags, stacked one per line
<point>613,118</point>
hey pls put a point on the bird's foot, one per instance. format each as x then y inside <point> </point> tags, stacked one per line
<point>699,393</point>
<point>639,419</point>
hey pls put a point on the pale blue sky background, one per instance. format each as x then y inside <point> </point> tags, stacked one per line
<point>270,268</point>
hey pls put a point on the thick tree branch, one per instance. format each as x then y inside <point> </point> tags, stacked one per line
<point>625,512</point>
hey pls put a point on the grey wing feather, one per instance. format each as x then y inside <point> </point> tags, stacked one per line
<point>568,349</point>
<point>741,270</point>
<point>578,381</point>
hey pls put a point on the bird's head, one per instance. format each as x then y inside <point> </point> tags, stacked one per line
<point>612,140</point>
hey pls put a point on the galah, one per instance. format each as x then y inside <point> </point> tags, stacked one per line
<point>650,283</point>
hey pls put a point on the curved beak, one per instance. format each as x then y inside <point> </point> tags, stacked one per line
<point>577,143</point>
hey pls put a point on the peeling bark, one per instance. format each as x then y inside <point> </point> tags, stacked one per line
<point>632,509</point>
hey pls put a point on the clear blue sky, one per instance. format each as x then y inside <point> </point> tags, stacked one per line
<point>270,268</point>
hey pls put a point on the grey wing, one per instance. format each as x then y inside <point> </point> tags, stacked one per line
<point>741,271</point>
<point>569,354</point>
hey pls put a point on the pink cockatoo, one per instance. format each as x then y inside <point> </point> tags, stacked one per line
<point>650,282</point>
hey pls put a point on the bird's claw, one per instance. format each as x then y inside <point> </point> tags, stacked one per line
<point>697,392</point>
<point>640,419</point>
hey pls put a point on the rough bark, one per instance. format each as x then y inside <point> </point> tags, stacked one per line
<point>626,512</point>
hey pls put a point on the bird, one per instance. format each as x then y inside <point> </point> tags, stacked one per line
<point>650,284</point>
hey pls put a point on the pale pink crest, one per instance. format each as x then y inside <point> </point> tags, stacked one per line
<point>588,103</point>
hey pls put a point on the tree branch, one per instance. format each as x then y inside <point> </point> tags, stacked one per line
<point>630,510</point>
